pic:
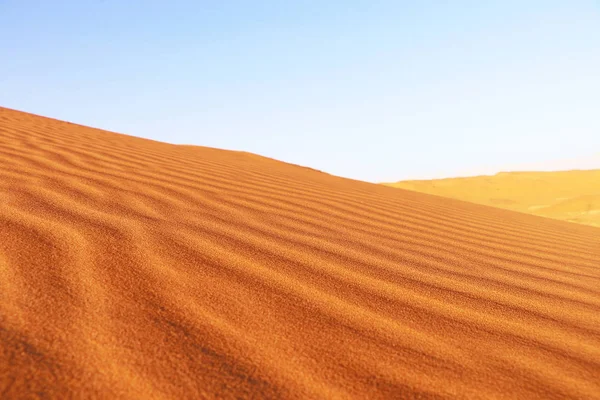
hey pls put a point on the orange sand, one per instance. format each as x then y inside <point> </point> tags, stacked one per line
<point>572,196</point>
<point>133,269</point>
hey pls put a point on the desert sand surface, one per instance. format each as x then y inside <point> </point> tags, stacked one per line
<point>134,269</point>
<point>572,196</point>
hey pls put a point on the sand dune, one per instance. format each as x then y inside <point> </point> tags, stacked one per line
<point>572,196</point>
<point>142,270</point>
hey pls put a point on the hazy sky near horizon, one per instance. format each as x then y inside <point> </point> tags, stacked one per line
<point>373,90</point>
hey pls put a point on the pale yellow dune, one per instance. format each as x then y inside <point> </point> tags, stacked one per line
<point>566,195</point>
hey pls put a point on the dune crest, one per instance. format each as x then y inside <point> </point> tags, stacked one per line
<point>137,269</point>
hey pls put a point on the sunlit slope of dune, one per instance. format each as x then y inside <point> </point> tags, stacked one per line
<point>141,270</point>
<point>566,195</point>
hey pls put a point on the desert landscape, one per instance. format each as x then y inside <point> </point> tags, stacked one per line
<point>572,196</point>
<point>135,269</point>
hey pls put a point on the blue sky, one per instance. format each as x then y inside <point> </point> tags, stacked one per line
<point>372,90</point>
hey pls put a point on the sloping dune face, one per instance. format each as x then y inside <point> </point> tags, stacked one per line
<point>141,270</point>
<point>572,196</point>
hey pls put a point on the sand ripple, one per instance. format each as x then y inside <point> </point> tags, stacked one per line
<point>143,270</point>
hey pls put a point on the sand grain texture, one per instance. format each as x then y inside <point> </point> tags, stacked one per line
<point>133,269</point>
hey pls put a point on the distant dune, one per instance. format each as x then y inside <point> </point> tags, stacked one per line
<point>133,269</point>
<point>572,196</point>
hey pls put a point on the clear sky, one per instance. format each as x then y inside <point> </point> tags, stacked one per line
<point>373,90</point>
